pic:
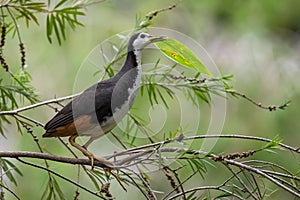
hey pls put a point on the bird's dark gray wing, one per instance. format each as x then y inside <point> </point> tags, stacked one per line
<point>63,117</point>
<point>94,101</point>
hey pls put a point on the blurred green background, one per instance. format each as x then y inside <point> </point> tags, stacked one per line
<point>256,41</point>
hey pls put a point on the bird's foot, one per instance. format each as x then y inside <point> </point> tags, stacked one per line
<point>106,163</point>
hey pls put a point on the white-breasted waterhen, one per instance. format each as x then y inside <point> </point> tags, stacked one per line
<point>98,109</point>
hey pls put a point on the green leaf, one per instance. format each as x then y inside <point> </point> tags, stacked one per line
<point>49,25</point>
<point>191,195</point>
<point>58,189</point>
<point>56,29</point>
<point>93,179</point>
<point>60,3</point>
<point>223,196</point>
<point>13,166</point>
<point>62,26</point>
<point>274,144</point>
<point>7,171</point>
<point>181,54</point>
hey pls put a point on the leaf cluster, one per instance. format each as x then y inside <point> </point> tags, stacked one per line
<point>15,91</point>
<point>58,17</point>
<point>8,169</point>
<point>15,85</point>
<point>61,16</point>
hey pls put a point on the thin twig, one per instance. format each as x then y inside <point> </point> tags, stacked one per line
<point>245,137</point>
<point>245,188</point>
<point>37,123</point>
<point>60,176</point>
<point>9,190</point>
<point>199,136</point>
<point>257,171</point>
<point>229,91</point>
<point>206,188</point>
<point>250,181</point>
<point>258,190</point>
<point>1,179</point>
<point>149,17</point>
<point>56,100</point>
<point>180,185</point>
<point>134,182</point>
<point>116,137</point>
<point>145,182</point>
<point>268,164</point>
<point>142,128</point>
<point>281,174</point>
<point>283,181</point>
<point>270,107</point>
<point>15,23</point>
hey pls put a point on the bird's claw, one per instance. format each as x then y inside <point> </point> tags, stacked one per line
<point>108,164</point>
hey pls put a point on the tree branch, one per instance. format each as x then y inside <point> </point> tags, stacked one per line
<point>46,156</point>
<point>138,155</point>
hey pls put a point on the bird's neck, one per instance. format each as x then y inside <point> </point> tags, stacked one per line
<point>133,61</point>
<point>127,85</point>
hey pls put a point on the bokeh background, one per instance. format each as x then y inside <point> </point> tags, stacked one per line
<point>256,41</point>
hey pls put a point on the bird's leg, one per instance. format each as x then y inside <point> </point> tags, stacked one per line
<point>82,149</point>
<point>103,160</point>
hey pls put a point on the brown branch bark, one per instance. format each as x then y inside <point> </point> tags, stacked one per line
<point>46,156</point>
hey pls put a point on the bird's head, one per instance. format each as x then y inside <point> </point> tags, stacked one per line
<point>140,40</point>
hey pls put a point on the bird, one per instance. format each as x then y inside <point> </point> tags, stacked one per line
<point>99,108</point>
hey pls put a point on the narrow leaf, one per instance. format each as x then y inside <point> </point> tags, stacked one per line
<point>56,29</point>
<point>62,26</point>
<point>8,172</point>
<point>58,189</point>
<point>60,3</point>
<point>49,28</point>
<point>12,165</point>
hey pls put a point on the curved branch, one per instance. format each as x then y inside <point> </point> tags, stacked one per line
<point>245,137</point>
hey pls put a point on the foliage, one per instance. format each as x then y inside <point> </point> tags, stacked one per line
<point>16,84</point>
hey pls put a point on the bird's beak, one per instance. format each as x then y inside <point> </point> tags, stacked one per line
<point>153,38</point>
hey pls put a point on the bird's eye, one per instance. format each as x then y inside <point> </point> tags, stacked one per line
<point>142,35</point>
